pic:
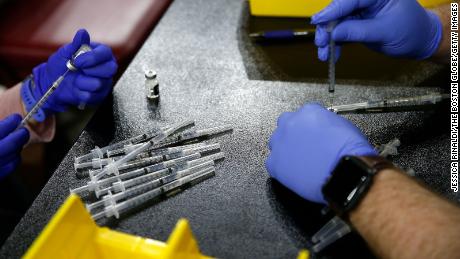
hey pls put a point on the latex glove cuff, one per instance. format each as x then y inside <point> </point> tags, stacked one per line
<point>29,99</point>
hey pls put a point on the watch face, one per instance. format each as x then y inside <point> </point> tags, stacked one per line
<point>348,176</point>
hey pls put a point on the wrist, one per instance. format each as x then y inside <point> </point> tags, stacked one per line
<point>351,180</point>
<point>29,99</point>
<point>380,185</point>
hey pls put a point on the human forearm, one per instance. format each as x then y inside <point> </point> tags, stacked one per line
<point>399,218</point>
<point>443,52</point>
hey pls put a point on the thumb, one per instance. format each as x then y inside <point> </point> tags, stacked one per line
<point>9,124</point>
<point>80,38</point>
<point>358,31</point>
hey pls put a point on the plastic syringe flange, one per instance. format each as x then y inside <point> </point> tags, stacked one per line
<point>110,206</point>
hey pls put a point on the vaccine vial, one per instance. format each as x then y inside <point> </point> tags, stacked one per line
<point>152,87</point>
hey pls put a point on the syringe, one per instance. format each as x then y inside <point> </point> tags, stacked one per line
<point>96,185</point>
<point>159,154</point>
<point>389,149</point>
<point>141,184</point>
<point>142,162</point>
<point>70,67</point>
<point>114,209</point>
<point>340,230</point>
<point>100,152</point>
<point>134,164</point>
<point>329,29</point>
<point>98,163</point>
<point>327,229</point>
<point>113,167</point>
<point>173,165</point>
<point>180,150</point>
<point>178,165</point>
<point>121,186</point>
<point>386,105</point>
<point>194,135</point>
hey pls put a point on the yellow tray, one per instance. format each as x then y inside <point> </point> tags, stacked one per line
<point>304,8</point>
<point>72,234</point>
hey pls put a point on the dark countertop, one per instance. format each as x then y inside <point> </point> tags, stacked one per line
<point>198,50</point>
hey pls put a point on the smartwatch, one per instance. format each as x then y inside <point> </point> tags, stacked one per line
<point>350,181</point>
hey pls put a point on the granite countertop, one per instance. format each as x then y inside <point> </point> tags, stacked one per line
<point>207,73</point>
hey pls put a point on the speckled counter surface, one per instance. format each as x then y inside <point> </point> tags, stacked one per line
<point>239,213</point>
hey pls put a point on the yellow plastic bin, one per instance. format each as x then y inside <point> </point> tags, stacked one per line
<point>72,233</point>
<point>304,8</point>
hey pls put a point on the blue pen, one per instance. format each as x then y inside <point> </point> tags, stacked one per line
<point>283,34</point>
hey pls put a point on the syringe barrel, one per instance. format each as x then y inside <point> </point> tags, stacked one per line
<point>159,137</point>
<point>141,163</point>
<point>207,148</point>
<point>140,199</point>
<point>152,168</point>
<point>345,229</point>
<point>333,225</point>
<point>213,157</point>
<point>143,179</point>
<point>215,130</point>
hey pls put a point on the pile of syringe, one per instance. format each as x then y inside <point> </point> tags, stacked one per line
<point>129,173</point>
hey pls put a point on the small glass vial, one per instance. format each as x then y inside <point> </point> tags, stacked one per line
<point>152,87</point>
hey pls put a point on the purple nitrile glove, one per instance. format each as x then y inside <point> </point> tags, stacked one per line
<point>393,27</point>
<point>307,145</point>
<point>90,84</point>
<point>11,143</point>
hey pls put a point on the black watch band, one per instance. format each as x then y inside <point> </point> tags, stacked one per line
<point>350,181</point>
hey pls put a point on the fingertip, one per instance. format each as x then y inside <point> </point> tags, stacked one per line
<point>81,37</point>
<point>20,136</point>
<point>14,118</point>
<point>321,36</point>
<point>323,53</point>
<point>323,16</point>
<point>338,34</point>
<point>100,55</point>
<point>114,67</point>
<point>9,124</point>
<point>26,134</point>
<point>317,18</point>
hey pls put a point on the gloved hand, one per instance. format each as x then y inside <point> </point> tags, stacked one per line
<point>11,143</point>
<point>399,28</point>
<point>89,85</point>
<point>307,145</point>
